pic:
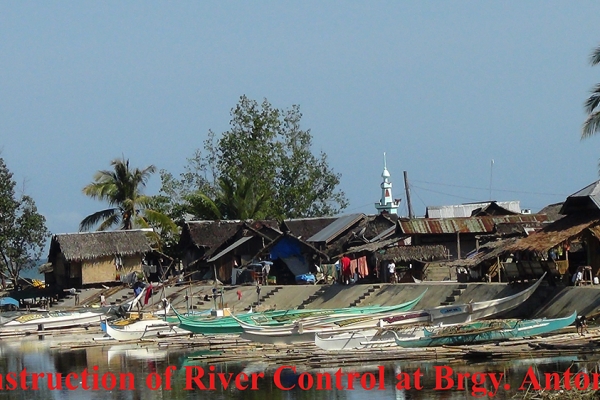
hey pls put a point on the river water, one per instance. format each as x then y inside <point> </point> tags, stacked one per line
<point>142,372</point>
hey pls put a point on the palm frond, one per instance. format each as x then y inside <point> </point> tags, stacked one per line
<point>200,205</point>
<point>144,202</point>
<point>595,56</point>
<point>110,222</point>
<point>591,126</point>
<point>592,102</point>
<point>160,220</point>
<point>95,218</point>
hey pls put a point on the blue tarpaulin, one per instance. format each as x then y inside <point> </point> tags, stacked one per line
<point>285,248</point>
<point>5,301</point>
<point>305,278</point>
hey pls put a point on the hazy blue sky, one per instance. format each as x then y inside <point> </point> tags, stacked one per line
<point>443,87</point>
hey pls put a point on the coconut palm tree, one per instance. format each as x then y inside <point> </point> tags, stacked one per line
<point>129,207</point>
<point>591,126</point>
<point>234,200</point>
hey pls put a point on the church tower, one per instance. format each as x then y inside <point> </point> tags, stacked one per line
<point>387,203</point>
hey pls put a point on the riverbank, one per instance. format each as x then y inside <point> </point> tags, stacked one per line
<point>547,301</point>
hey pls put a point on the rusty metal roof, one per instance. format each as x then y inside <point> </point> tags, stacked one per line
<point>424,226</point>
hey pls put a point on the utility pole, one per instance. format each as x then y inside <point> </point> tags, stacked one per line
<point>408,203</point>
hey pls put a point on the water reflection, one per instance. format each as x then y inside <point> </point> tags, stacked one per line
<point>142,361</point>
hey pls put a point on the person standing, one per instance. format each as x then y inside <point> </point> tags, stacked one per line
<point>392,272</point>
<point>345,262</point>
<point>102,300</point>
<point>257,293</point>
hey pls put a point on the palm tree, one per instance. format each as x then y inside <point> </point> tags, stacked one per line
<point>122,189</point>
<point>591,126</point>
<point>234,200</point>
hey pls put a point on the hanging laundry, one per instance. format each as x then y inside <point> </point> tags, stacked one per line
<point>148,294</point>
<point>363,269</point>
<point>118,262</point>
<point>353,267</point>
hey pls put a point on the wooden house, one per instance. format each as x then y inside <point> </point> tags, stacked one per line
<point>84,259</point>
<point>578,226</point>
<point>460,235</point>
<point>200,238</point>
<point>210,246</point>
<point>558,248</point>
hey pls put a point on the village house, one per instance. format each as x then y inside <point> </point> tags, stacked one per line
<point>564,245</point>
<point>222,246</point>
<point>86,259</point>
<point>569,245</point>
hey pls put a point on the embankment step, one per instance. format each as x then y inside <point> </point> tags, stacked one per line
<point>264,297</point>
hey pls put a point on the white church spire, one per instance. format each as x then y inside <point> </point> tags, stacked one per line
<point>387,203</point>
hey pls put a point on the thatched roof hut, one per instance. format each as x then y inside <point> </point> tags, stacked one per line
<point>92,245</point>
<point>567,228</point>
<point>207,234</point>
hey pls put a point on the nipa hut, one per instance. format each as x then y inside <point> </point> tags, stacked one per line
<point>84,259</point>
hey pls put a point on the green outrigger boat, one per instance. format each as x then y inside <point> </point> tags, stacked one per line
<point>228,325</point>
<point>480,332</point>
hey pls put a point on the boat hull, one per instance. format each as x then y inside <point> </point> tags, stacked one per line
<point>365,337</point>
<point>280,320</point>
<point>483,331</point>
<point>52,320</point>
<point>138,330</point>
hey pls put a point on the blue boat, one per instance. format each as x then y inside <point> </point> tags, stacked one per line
<point>480,331</point>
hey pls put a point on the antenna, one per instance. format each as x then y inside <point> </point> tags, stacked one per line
<point>491,176</point>
<point>384,162</point>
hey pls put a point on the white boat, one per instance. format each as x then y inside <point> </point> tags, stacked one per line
<point>51,320</point>
<point>376,336</point>
<point>141,329</point>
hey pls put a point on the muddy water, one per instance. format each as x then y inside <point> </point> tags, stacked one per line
<point>43,369</point>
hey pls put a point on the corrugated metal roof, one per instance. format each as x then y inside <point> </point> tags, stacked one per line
<point>422,226</point>
<point>228,249</point>
<point>466,210</point>
<point>335,228</point>
<point>587,198</point>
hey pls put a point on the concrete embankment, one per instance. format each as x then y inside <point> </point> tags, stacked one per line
<point>547,301</point>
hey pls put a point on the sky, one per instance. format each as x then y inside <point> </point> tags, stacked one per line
<point>443,88</point>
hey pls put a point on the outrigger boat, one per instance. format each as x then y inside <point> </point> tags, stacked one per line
<point>480,332</point>
<point>376,335</point>
<point>140,329</point>
<point>231,324</point>
<point>52,320</point>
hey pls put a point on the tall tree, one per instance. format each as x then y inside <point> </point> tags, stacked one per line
<point>23,231</point>
<point>591,126</point>
<point>129,208</point>
<point>264,157</point>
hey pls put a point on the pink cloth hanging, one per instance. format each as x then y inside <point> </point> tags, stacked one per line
<point>353,267</point>
<point>363,269</point>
